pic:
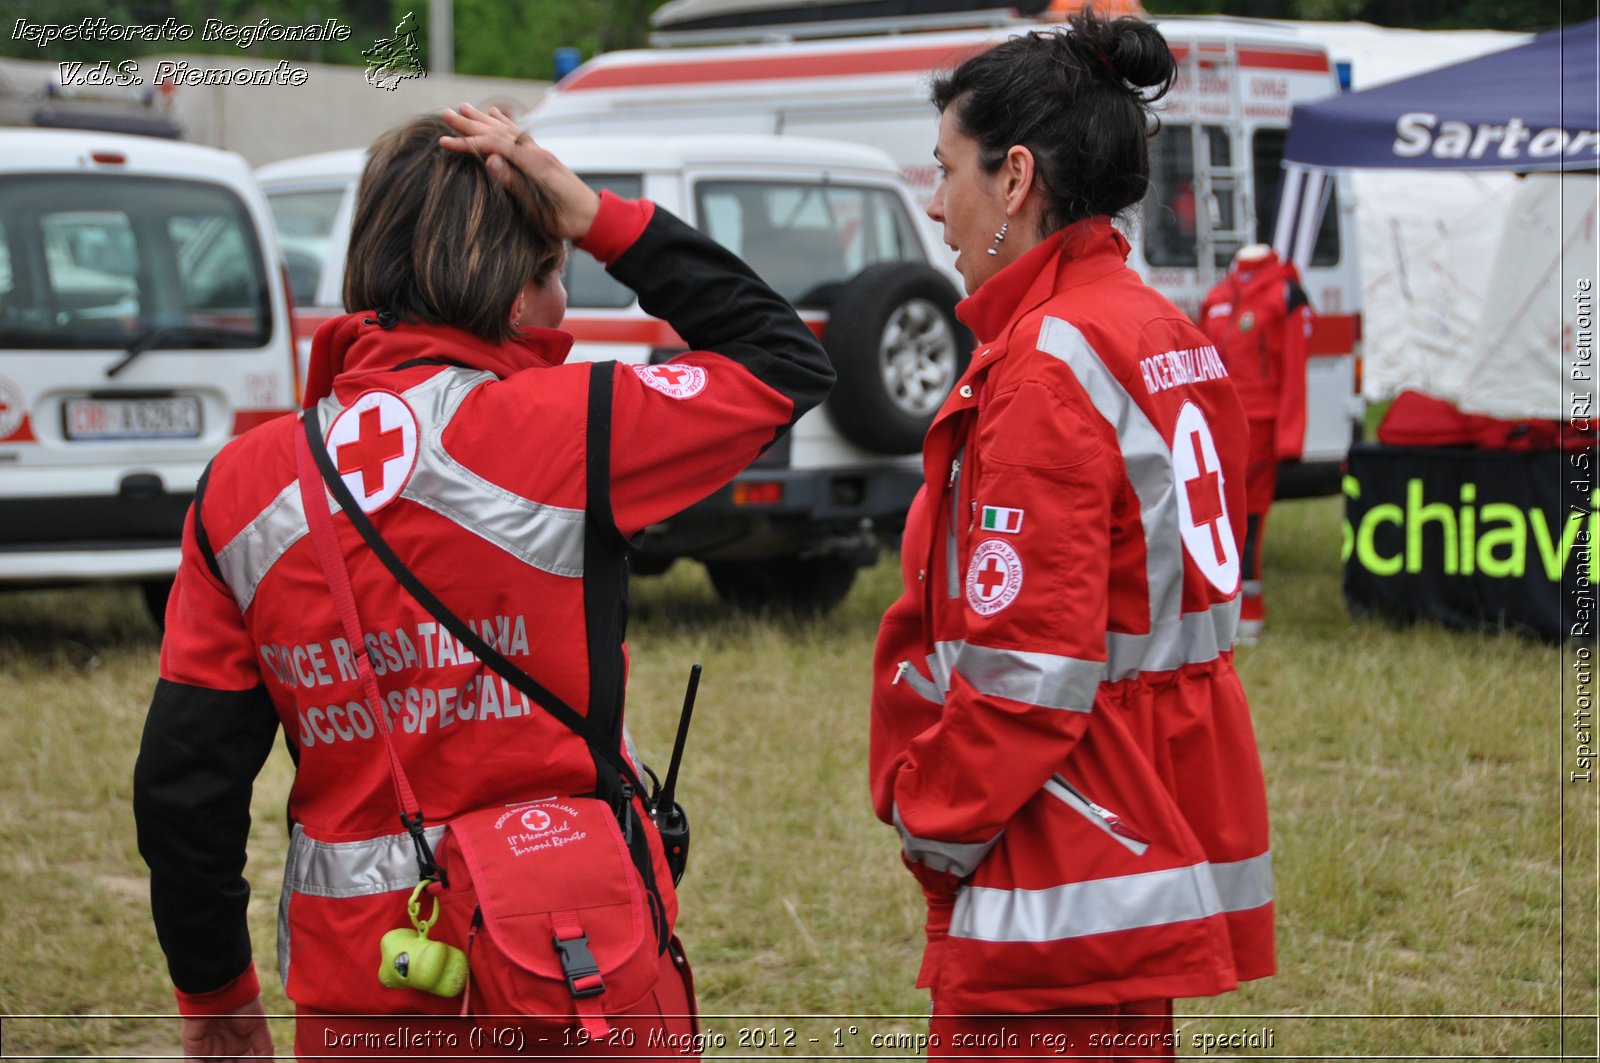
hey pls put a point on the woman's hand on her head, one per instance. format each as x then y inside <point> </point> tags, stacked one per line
<point>499,141</point>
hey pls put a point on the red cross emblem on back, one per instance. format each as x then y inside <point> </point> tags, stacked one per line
<point>1205,498</point>
<point>374,447</point>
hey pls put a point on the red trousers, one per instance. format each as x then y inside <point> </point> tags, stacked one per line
<point>1131,1032</point>
<point>664,1025</point>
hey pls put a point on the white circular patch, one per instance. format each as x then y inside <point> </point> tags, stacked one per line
<point>374,447</point>
<point>994,578</point>
<point>1203,501</point>
<point>673,379</point>
<point>11,410</point>
<point>536,820</point>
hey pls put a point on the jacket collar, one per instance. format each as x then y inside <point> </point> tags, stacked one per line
<point>1084,251</point>
<point>356,343</point>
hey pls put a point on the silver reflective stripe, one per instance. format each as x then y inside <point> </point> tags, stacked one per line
<point>1174,638</point>
<point>909,675</point>
<point>354,869</point>
<point>1078,909</point>
<point>958,858</point>
<point>1244,884</point>
<point>549,538</point>
<point>257,547</point>
<point>1047,680</point>
<point>1188,639</point>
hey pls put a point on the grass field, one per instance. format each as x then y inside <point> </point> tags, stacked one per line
<point>1436,870</point>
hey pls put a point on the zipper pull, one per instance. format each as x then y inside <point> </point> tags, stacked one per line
<point>900,672</point>
<point>955,470</point>
<point>1114,822</point>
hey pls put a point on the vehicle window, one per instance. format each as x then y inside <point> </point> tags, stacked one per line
<point>305,231</point>
<point>1170,209</point>
<point>588,284</point>
<point>1267,151</point>
<point>806,239</point>
<point>5,263</point>
<point>174,264</point>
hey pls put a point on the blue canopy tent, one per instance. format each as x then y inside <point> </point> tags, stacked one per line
<point>1443,531</point>
<point>1532,107</point>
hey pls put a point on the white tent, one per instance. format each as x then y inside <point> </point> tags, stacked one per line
<point>1427,239</point>
<point>1500,320</point>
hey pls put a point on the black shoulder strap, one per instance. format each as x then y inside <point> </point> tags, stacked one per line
<point>601,745</point>
<point>605,563</point>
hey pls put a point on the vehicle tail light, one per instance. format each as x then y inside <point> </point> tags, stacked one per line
<point>757,493</point>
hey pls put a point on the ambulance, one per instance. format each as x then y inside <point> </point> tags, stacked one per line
<point>830,70</point>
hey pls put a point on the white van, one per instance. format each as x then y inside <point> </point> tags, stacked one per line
<point>144,322</point>
<point>1216,162</point>
<point>834,230</point>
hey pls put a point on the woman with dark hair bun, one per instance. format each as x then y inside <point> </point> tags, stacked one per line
<point>1058,732</point>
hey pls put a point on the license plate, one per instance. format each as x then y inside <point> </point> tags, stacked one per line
<point>170,418</point>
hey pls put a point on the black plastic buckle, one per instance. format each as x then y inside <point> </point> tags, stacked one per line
<point>427,867</point>
<point>578,964</point>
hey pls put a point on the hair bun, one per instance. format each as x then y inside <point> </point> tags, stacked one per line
<point>1129,49</point>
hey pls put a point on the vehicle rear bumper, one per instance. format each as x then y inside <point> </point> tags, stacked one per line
<point>45,540</point>
<point>810,512</point>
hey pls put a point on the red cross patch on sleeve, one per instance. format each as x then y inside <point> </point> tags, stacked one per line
<point>673,379</point>
<point>994,578</point>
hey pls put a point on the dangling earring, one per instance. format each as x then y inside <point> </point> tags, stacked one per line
<point>1000,237</point>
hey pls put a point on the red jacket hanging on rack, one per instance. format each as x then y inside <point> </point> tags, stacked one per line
<point>1260,321</point>
<point>1057,728</point>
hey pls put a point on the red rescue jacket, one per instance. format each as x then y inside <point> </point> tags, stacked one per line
<point>481,489</point>
<point>1057,728</point>
<point>1259,319</point>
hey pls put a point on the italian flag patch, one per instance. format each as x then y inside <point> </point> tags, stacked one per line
<point>1000,519</point>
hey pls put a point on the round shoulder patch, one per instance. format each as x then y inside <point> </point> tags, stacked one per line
<point>994,578</point>
<point>673,379</point>
<point>374,446</point>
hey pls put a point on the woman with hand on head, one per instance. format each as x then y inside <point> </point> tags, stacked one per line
<point>509,481</point>
<point>1058,733</point>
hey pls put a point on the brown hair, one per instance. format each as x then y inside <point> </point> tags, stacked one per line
<point>437,239</point>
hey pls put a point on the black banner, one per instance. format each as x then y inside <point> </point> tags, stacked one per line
<point>1473,538</point>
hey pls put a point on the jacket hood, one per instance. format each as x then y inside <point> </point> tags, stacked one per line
<point>356,342</point>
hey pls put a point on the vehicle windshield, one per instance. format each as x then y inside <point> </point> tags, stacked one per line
<point>807,239</point>
<point>101,261</point>
<point>304,221</point>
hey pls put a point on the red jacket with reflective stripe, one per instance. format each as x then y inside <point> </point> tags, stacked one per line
<point>1057,728</point>
<point>1259,319</point>
<point>490,515</point>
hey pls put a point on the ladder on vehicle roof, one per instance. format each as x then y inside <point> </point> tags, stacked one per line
<point>1224,211</point>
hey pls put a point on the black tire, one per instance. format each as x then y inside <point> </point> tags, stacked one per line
<point>802,586</point>
<point>156,592</point>
<point>898,349</point>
